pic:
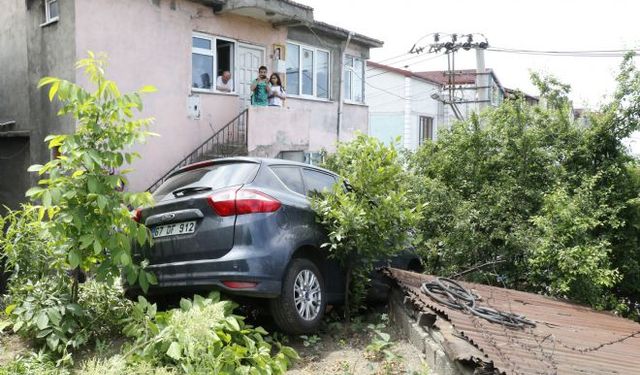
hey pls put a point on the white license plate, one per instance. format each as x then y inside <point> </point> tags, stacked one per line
<point>173,229</point>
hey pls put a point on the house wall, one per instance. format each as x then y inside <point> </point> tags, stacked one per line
<point>151,44</point>
<point>385,95</point>
<point>29,52</point>
<point>395,104</point>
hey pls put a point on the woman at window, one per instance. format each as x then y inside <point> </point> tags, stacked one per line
<point>276,93</point>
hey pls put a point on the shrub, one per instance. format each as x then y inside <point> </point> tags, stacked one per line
<point>45,313</point>
<point>373,220</point>
<point>27,247</point>
<point>202,337</point>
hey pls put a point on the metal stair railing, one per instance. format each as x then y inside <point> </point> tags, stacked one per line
<point>231,140</point>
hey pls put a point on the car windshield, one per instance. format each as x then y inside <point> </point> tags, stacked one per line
<point>212,177</point>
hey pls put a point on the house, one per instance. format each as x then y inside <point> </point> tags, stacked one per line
<point>400,105</point>
<point>416,105</point>
<point>181,47</point>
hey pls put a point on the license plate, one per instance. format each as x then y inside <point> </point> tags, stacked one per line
<point>174,229</point>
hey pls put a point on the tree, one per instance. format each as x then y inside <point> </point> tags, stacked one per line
<point>81,190</point>
<point>370,220</point>
<point>555,200</point>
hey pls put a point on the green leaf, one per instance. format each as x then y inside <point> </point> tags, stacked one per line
<point>151,278</point>
<point>175,351</point>
<point>97,247</point>
<point>185,304</point>
<point>102,202</point>
<point>52,342</point>
<point>289,352</point>
<point>47,80</point>
<point>132,275</point>
<point>142,280</point>
<point>53,89</point>
<point>46,199</point>
<point>141,234</point>
<point>33,191</point>
<point>147,89</point>
<point>54,315</point>
<point>17,325</point>
<point>92,183</point>
<point>9,309</point>
<point>43,320</point>
<point>74,258</point>
<point>35,168</point>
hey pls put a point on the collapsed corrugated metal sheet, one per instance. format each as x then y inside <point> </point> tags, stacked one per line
<point>568,338</point>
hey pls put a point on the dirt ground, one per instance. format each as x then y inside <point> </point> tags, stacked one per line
<point>339,351</point>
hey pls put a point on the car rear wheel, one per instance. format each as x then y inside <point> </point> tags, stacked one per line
<point>302,303</point>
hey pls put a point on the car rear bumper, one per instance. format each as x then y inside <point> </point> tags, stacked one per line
<point>240,264</point>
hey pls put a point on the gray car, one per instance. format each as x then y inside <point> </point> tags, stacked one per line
<point>245,226</point>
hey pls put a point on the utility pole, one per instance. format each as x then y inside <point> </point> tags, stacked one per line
<point>451,44</point>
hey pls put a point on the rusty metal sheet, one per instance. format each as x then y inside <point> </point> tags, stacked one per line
<point>568,338</point>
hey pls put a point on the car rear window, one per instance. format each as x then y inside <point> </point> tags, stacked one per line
<point>214,176</point>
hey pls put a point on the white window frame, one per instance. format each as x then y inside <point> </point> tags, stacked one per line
<point>47,12</point>
<point>213,53</point>
<point>351,71</point>
<point>315,51</point>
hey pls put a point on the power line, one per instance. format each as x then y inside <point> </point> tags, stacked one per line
<point>575,53</point>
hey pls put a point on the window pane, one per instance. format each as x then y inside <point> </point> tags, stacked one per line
<point>358,73</point>
<point>215,177</point>
<point>202,71</point>
<point>53,9</point>
<point>293,69</point>
<point>318,181</point>
<point>291,177</point>
<point>201,43</point>
<point>347,84</point>
<point>323,75</point>
<point>307,72</point>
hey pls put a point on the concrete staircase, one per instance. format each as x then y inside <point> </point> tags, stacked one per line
<point>231,140</point>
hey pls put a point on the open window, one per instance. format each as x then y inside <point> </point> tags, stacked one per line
<point>212,64</point>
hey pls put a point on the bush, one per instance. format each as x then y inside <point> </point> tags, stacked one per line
<point>27,248</point>
<point>373,218</point>
<point>201,337</point>
<point>45,313</point>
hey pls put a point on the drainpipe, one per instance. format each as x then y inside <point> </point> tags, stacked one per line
<point>341,86</point>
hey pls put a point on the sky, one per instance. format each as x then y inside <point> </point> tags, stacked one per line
<point>560,25</point>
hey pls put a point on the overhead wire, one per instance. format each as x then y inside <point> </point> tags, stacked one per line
<point>568,53</point>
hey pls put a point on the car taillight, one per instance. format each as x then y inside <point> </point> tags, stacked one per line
<point>252,201</point>
<point>137,215</point>
<point>232,202</point>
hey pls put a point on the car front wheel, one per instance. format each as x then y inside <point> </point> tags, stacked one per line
<point>301,306</point>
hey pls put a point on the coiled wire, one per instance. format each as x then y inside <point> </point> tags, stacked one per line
<point>450,293</point>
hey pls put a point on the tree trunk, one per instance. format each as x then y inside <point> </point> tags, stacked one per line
<point>347,293</point>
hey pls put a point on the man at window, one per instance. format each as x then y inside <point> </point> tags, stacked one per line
<point>225,82</point>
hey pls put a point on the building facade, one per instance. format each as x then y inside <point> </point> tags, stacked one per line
<point>181,47</point>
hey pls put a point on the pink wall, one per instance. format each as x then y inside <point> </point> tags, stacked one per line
<point>308,125</point>
<point>151,44</point>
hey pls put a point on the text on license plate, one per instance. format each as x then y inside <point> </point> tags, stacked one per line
<point>174,229</point>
